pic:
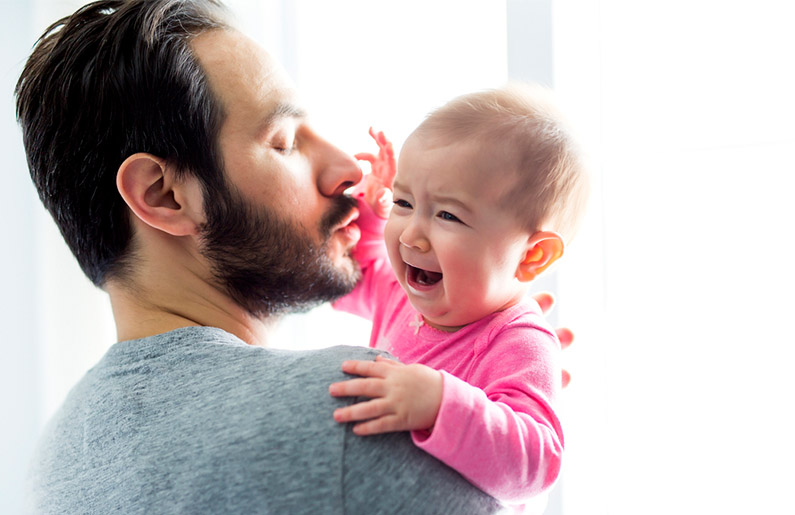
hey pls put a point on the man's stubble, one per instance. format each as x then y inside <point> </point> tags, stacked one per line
<point>270,265</point>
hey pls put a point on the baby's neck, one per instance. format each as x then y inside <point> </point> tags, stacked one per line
<point>445,328</point>
<point>452,329</point>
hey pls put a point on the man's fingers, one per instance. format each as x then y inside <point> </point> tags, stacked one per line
<point>565,336</point>
<point>364,387</point>
<point>362,411</point>
<point>545,300</point>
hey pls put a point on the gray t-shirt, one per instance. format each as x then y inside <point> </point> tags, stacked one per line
<point>196,421</point>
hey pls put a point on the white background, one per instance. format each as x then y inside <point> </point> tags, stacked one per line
<point>678,286</point>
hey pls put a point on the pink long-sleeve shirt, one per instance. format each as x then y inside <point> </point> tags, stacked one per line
<point>496,425</point>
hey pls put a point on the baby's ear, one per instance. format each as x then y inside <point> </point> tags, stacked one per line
<point>543,249</point>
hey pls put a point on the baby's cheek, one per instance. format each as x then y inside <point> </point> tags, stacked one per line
<point>391,232</point>
<point>392,242</point>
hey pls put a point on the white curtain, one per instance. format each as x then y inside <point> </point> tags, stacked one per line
<point>680,289</point>
<point>55,323</point>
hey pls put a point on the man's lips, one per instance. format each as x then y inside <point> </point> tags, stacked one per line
<point>350,218</point>
<point>348,227</point>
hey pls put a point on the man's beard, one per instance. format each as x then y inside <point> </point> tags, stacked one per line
<point>269,265</point>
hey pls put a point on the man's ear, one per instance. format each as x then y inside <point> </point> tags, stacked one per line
<point>543,249</point>
<point>152,193</point>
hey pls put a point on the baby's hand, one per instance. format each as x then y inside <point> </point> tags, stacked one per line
<point>403,397</point>
<point>376,187</point>
<point>545,302</point>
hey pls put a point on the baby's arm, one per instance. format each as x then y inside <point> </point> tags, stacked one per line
<point>402,397</point>
<point>505,422</point>
<point>374,198</point>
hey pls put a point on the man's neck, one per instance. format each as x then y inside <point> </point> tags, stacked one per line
<point>160,306</point>
<point>170,285</point>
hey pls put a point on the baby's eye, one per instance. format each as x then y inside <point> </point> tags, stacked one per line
<point>402,203</point>
<point>444,215</point>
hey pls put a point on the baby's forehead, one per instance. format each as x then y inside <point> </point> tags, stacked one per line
<point>485,159</point>
<point>468,170</point>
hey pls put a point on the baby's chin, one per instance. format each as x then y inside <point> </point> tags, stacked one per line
<point>452,320</point>
<point>435,313</point>
<point>446,322</point>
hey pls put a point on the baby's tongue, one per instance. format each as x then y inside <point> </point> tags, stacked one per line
<point>428,277</point>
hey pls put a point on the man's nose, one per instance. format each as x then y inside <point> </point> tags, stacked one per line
<point>414,238</point>
<point>337,170</point>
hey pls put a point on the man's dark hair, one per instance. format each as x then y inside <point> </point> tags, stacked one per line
<point>116,78</point>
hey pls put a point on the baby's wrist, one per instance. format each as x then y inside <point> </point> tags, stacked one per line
<point>369,221</point>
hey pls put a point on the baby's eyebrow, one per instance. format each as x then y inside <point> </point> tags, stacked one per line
<point>446,199</point>
<point>438,198</point>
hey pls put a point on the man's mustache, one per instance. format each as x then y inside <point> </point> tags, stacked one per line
<point>343,205</point>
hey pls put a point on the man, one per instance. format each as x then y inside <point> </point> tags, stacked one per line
<point>175,158</point>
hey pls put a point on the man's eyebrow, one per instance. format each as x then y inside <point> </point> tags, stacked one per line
<point>282,110</point>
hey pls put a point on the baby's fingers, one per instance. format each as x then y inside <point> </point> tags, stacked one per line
<point>385,424</point>
<point>357,388</point>
<point>387,361</point>
<point>364,368</point>
<point>362,411</point>
<point>365,156</point>
<point>373,134</point>
<point>565,336</point>
<point>386,167</point>
<point>380,139</point>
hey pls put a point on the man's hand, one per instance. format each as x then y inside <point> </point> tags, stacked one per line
<point>403,397</point>
<point>376,187</point>
<point>546,301</point>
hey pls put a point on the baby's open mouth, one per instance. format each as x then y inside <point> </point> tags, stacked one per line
<point>423,277</point>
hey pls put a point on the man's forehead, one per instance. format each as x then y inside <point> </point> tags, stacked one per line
<point>240,71</point>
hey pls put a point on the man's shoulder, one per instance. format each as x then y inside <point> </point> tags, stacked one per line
<point>202,422</point>
<point>195,346</point>
<point>402,478</point>
<point>197,414</point>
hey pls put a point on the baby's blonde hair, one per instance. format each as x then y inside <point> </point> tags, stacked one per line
<point>522,132</point>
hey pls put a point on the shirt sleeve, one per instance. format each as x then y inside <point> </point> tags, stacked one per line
<point>503,434</point>
<point>370,254</point>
